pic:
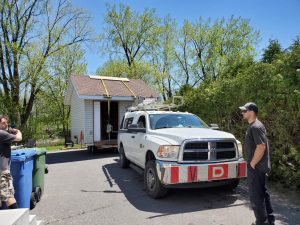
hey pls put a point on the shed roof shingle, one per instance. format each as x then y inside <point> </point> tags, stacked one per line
<point>94,87</point>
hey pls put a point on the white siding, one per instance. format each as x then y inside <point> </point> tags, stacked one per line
<point>123,105</point>
<point>88,121</point>
<point>77,115</point>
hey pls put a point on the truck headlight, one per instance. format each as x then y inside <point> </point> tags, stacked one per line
<point>240,149</point>
<point>168,151</point>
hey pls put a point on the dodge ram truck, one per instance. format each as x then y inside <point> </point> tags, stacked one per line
<point>178,149</point>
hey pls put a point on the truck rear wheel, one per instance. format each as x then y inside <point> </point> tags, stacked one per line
<point>152,183</point>
<point>124,162</point>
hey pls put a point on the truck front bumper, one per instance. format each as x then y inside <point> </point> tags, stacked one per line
<point>171,173</point>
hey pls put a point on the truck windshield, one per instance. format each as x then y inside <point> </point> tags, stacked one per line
<point>160,121</point>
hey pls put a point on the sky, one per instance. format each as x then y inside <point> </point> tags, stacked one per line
<point>274,19</point>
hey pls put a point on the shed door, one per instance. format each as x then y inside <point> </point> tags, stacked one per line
<point>97,130</point>
<point>113,118</point>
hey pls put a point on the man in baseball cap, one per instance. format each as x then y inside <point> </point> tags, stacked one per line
<point>250,106</point>
<point>258,159</point>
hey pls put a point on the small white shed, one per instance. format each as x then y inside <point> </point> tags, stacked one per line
<point>96,101</point>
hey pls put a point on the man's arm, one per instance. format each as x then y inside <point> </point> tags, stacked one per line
<point>260,139</point>
<point>18,135</point>
<point>258,154</point>
<point>6,137</point>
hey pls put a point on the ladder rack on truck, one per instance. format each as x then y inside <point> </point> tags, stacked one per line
<point>151,105</point>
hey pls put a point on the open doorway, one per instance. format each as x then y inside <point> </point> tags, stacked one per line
<point>114,119</point>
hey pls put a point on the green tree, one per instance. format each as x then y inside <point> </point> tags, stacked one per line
<point>119,68</point>
<point>114,68</point>
<point>206,49</point>
<point>128,33</point>
<point>30,33</point>
<point>67,62</point>
<point>162,57</point>
<point>219,44</point>
<point>184,57</point>
<point>272,52</point>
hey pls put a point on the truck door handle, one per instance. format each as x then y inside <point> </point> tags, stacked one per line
<point>132,136</point>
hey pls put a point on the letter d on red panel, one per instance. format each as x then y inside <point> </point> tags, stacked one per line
<point>217,172</point>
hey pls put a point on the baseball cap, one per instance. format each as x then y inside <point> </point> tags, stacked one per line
<point>250,106</point>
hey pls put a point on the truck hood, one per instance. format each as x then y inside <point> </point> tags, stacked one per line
<point>181,134</point>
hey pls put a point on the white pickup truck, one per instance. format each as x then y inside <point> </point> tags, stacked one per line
<point>176,149</point>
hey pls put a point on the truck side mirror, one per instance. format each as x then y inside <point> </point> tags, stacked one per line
<point>214,126</point>
<point>134,128</point>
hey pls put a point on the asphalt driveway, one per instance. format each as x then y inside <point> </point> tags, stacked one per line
<point>82,189</point>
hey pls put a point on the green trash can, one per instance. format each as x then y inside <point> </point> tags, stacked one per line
<point>38,173</point>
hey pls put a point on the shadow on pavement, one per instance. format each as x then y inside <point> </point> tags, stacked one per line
<point>286,205</point>
<point>77,155</point>
<point>190,200</point>
<point>177,201</point>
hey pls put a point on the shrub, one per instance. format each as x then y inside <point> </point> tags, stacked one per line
<point>275,87</point>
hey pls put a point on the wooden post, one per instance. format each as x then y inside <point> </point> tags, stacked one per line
<point>81,138</point>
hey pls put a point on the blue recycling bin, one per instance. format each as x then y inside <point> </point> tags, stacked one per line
<point>22,162</point>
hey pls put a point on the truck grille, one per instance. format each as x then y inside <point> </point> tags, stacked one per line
<point>208,151</point>
<point>225,155</point>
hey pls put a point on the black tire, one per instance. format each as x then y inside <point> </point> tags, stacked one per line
<point>93,149</point>
<point>152,183</point>
<point>32,200</point>
<point>233,184</point>
<point>38,194</point>
<point>124,162</point>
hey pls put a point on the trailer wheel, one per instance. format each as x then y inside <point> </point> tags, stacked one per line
<point>92,149</point>
<point>124,162</point>
<point>152,183</point>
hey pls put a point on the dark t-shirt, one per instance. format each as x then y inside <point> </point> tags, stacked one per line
<point>5,141</point>
<point>256,134</point>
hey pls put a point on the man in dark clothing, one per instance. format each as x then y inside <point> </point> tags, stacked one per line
<point>257,148</point>
<point>7,136</point>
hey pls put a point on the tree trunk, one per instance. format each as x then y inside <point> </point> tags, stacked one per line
<point>28,108</point>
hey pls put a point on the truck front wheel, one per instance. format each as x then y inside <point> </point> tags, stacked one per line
<point>124,162</point>
<point>152,183</point>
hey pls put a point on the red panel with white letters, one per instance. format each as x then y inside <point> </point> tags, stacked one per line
<point>204,172</point>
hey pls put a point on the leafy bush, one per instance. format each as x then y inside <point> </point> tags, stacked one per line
<point>275,87</point>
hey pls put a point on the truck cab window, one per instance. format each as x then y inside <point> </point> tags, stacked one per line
<point>127,122</point>
<point>142,122</point>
